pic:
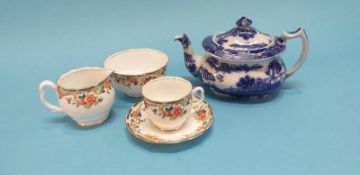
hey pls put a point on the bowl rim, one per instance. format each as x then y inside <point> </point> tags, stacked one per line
<point>136,50</point>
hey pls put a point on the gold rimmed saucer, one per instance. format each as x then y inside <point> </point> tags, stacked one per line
<point>141,127</point>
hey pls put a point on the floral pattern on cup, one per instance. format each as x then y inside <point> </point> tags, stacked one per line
<point>85,98</point>
<point>138,80</point>
<point>134,120</point>
<point>136,124</point>
<point>169,111</point>
<point>202,114</point>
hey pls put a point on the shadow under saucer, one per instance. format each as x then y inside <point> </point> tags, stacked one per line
<point>169,148</point>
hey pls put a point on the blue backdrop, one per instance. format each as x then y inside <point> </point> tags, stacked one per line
<point>312,126</point>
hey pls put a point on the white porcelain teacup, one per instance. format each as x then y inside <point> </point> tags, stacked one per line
<point>168,101</point>
<point>135,67</point>
<point>85,94</point>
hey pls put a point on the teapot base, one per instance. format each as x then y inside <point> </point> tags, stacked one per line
<point>256,96</point>
<point>245,97</point>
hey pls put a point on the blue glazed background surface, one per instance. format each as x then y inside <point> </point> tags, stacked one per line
<point>312,126</point>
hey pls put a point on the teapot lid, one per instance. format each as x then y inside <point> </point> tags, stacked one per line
<point>243,43</point>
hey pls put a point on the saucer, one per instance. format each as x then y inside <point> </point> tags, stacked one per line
<point>141,127</point>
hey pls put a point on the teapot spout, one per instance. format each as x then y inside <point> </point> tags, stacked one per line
<point>192,61</point>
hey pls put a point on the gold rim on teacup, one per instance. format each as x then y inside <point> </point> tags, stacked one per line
<point>168,101</point>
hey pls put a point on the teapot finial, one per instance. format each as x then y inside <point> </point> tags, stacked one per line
<point>243,22</point>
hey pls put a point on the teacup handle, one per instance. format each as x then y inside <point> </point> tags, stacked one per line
<point>199,90</point>
<point>300,32</point>
<point>42,87</point>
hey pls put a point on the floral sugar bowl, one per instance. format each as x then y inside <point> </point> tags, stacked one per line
<point>133,68</point>
<point>243,62</point>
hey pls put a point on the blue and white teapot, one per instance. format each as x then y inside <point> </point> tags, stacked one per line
<point>243,62</point>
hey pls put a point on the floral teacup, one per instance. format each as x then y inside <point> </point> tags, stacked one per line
<point>135,67</point>
<point>85,94</point>
<point>168,101</point>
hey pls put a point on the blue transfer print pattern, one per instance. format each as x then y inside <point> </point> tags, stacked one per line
<point>249,87</point>
<point>220,78</point>
<point>228,68</point>
<point>243,29</point>
<point>250,47</point>
<point>256,52</point>
<point>184,40</point>
<point>190,63</point>
<point>245,33</point>
<point>274,68</point>
<point>221,41</point>
<point>221,47</point>
<point>243,21</point>
<point>245,82</point>
<point>206,75</point>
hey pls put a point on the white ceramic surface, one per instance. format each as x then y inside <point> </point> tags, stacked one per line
<point>243,62</point>
<point>168,101</point>
<point>135,67</point>
<point>85,94</point>
<point>138,124</point>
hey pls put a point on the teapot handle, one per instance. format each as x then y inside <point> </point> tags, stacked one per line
<point>42,86</point>
<point>300,32</point>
